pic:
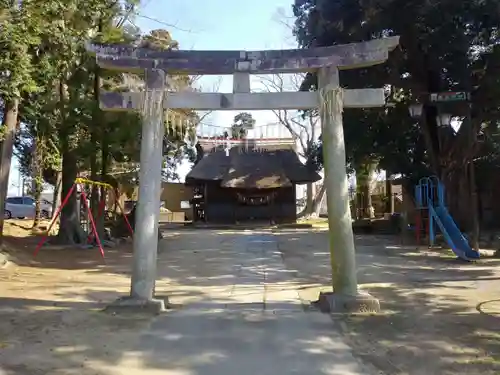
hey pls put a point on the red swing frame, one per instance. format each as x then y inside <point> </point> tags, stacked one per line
<point>80,182</point>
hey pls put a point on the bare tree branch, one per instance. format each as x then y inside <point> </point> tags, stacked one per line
<point>302,127</point>
<point>195,80</point>
<point>287,21</point>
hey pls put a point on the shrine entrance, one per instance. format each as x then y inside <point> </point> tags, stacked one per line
<point>330,100</point>
<point>256,206</point>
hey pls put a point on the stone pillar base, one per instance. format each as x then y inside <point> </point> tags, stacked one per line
<point>337,303</point>
<point>136,305</point>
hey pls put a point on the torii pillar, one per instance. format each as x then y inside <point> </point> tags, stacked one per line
<point>330,99</point>
<point>150,182</point>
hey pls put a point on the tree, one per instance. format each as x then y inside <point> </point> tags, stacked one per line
<point>63,60</point>
<point>36,149</point>
<point>62,125</point>
<point>446,45</point>
<point>18,35</point>
<point>241,124</point>
<point>304,128</point>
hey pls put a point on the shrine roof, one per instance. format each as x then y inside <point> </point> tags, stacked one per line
<point>250,167</point>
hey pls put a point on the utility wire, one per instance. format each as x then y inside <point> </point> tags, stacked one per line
<point>164,23</point>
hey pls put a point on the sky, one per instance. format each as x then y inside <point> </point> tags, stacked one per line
<point>214,25</point>
<point>221,25</point>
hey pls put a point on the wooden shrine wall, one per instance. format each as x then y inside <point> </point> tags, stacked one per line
<point>224,206</point>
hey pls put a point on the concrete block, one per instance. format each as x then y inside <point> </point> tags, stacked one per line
<point>241,82</point>
<point>133,305</point>
<point>337,303</point>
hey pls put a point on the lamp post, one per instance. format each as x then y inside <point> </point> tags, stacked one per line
<point>441,101</point>
<point>416,110</point>
<point>443,120</point>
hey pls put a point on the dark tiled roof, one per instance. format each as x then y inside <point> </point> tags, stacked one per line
<point>249,168</point>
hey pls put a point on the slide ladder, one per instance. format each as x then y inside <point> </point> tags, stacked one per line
<point>429,198</point>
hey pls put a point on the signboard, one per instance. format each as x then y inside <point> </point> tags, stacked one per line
<point>450,96</point>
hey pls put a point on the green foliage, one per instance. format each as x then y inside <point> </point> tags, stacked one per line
<point>241,123</point>
<point>19,34</point>
<point>159,40</point>
<point>61,58</point>
<point>244,119</point>
<point>44,63</point>
<point>445,45</point>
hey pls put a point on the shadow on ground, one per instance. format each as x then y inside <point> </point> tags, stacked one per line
<point>440,316</point>
<point>71,338</point>
<point>56,326</point>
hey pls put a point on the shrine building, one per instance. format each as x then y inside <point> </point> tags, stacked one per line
<point>249,180</point>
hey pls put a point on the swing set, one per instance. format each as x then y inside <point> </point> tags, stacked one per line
<point>82,183</point>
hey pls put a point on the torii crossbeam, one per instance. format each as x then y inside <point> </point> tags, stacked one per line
<point>330,99</point>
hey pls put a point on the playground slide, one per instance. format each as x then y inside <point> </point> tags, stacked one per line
<point>452,234</point>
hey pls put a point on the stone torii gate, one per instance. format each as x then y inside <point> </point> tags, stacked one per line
<point>330,99</point>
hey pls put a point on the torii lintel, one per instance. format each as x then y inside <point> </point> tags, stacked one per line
<point>346,56</point>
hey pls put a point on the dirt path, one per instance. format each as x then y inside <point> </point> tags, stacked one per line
<point>439,316</point>
<point>237,310</point>
<point>50,307</point>
<point>50,319</point>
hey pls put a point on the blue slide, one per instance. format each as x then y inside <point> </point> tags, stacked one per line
<point>452,234</point>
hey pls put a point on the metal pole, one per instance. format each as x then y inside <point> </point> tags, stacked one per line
<point>148,205</point>
<point>341,238</point>
<point>474,198</point>
<point>473,188</point>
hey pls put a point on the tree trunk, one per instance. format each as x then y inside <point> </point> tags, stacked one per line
<point>94,171</point>
<point>70,231</point>
<point>389,194</point>
<point>98,194</point>
<point>37,194</point>
<point>104,173</point>
<point>461,198</point>
<point>10,124</point>
<point>314,207</point>
<point>316,204</point>
<point>457,195</point>
<point>56,197</point>
<point>37,177</point>
<point>359,201</point>
<point>367,193</point>
<point>364,174</point>
<point>309,199</point>
<point>361,195</point>
<point>474,204</point>
<point>94,137</point>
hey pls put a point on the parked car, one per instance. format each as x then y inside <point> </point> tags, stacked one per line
<point>24,207</point>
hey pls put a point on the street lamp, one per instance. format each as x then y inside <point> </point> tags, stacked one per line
<point>440,101</point>
<point>416,110</point>
<point>443,120</point>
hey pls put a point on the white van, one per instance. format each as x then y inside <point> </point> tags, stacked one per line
<point>24,207</point>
